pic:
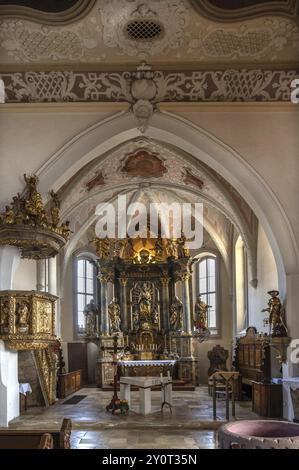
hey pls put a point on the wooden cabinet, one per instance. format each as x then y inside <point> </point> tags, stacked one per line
<point>69,383</point>
<point>267,399</point>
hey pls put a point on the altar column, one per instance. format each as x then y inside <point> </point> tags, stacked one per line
<point>104,304</point>
<point>165,303</point>
<point>123,304</point>
<point>186,303</point>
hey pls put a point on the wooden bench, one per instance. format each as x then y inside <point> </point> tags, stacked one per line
<point>37,439</point>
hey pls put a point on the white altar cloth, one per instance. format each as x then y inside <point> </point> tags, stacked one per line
<point>144,384</point>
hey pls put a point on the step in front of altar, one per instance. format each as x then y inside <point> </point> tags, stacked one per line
<point>177,385</point>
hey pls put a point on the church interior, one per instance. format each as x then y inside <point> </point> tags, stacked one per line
<point>113,112</point>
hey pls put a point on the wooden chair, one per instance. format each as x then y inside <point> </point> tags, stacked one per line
<point>228,380</point>
<point>32,439</point>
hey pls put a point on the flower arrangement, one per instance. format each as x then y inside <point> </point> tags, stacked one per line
<point>124,407</point>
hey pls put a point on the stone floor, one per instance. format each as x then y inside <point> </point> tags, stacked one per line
<point>190,426</point>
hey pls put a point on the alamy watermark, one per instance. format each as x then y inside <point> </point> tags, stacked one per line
<point>168,220</point>
<point>294,356</point>
<point>295,91</point>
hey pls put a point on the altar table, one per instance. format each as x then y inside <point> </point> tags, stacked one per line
<point>144,384</point>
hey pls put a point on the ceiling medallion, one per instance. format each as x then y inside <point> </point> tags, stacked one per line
<point>27,225</point>
<point>143,28</point>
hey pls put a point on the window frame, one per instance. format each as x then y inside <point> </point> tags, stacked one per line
<point>80,331</point>
<point>215,331</point>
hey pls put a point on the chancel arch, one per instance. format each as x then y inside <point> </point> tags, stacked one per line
<point>174,130</point>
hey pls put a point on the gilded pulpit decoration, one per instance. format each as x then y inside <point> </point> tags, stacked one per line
<point>47,364</point>
<point>27,319</point>
<point>27,224</point>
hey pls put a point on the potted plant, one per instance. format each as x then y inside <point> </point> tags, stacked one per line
<point>124,407</point>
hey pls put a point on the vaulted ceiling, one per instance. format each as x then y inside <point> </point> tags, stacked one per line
<point>168,33</point>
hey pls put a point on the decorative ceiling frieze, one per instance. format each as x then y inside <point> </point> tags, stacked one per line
<point>191,86</point>
<point>240,10</point>
<point>160,32</point>
<point>55,12</point>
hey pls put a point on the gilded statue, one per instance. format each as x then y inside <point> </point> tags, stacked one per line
<point>276,315</point>
<point>114,316</point>
<point>29,210</point>
<point>176,315</point>
<point>128,251</point>
<point>91,314</point>
<point>65,229</point>
<point>55,209</point>
<point>22,314</point>
<point>171,249</point>
<point>159,249</point>
<point>182,250</point>
<point>33,203</point>
<point>201,314</point>
<point>102,246</point>
<point>8,216</point>
<point>145,304</point>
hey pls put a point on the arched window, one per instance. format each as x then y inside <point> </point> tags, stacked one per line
<point>207,288</point>
<point>85,287</point>
<point>240,285</point>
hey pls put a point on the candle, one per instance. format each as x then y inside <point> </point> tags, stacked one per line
<point>168,374</point>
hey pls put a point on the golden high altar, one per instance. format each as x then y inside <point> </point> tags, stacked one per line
<point>156,330</point>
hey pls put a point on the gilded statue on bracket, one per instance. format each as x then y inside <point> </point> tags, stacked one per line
<point>176,315</point>
<point>114,316</point>
<point>201,314</point>
<point>276,315</point>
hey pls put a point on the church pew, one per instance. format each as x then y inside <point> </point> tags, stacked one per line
<point>33,439</point>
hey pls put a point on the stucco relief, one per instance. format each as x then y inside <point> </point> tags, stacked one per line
<point>101,36</point>
<point>173,15</point>
<point>217,85</point>
<point>24,41</point>
<point>245,40</point>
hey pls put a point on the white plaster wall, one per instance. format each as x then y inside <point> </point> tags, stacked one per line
<point>25,276</point>
<point>32,138</point>
<point>267,280</point>
<point>268,141</point>
<point>226,328</point>
<point>67,306</point>
<point>9,386</point>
